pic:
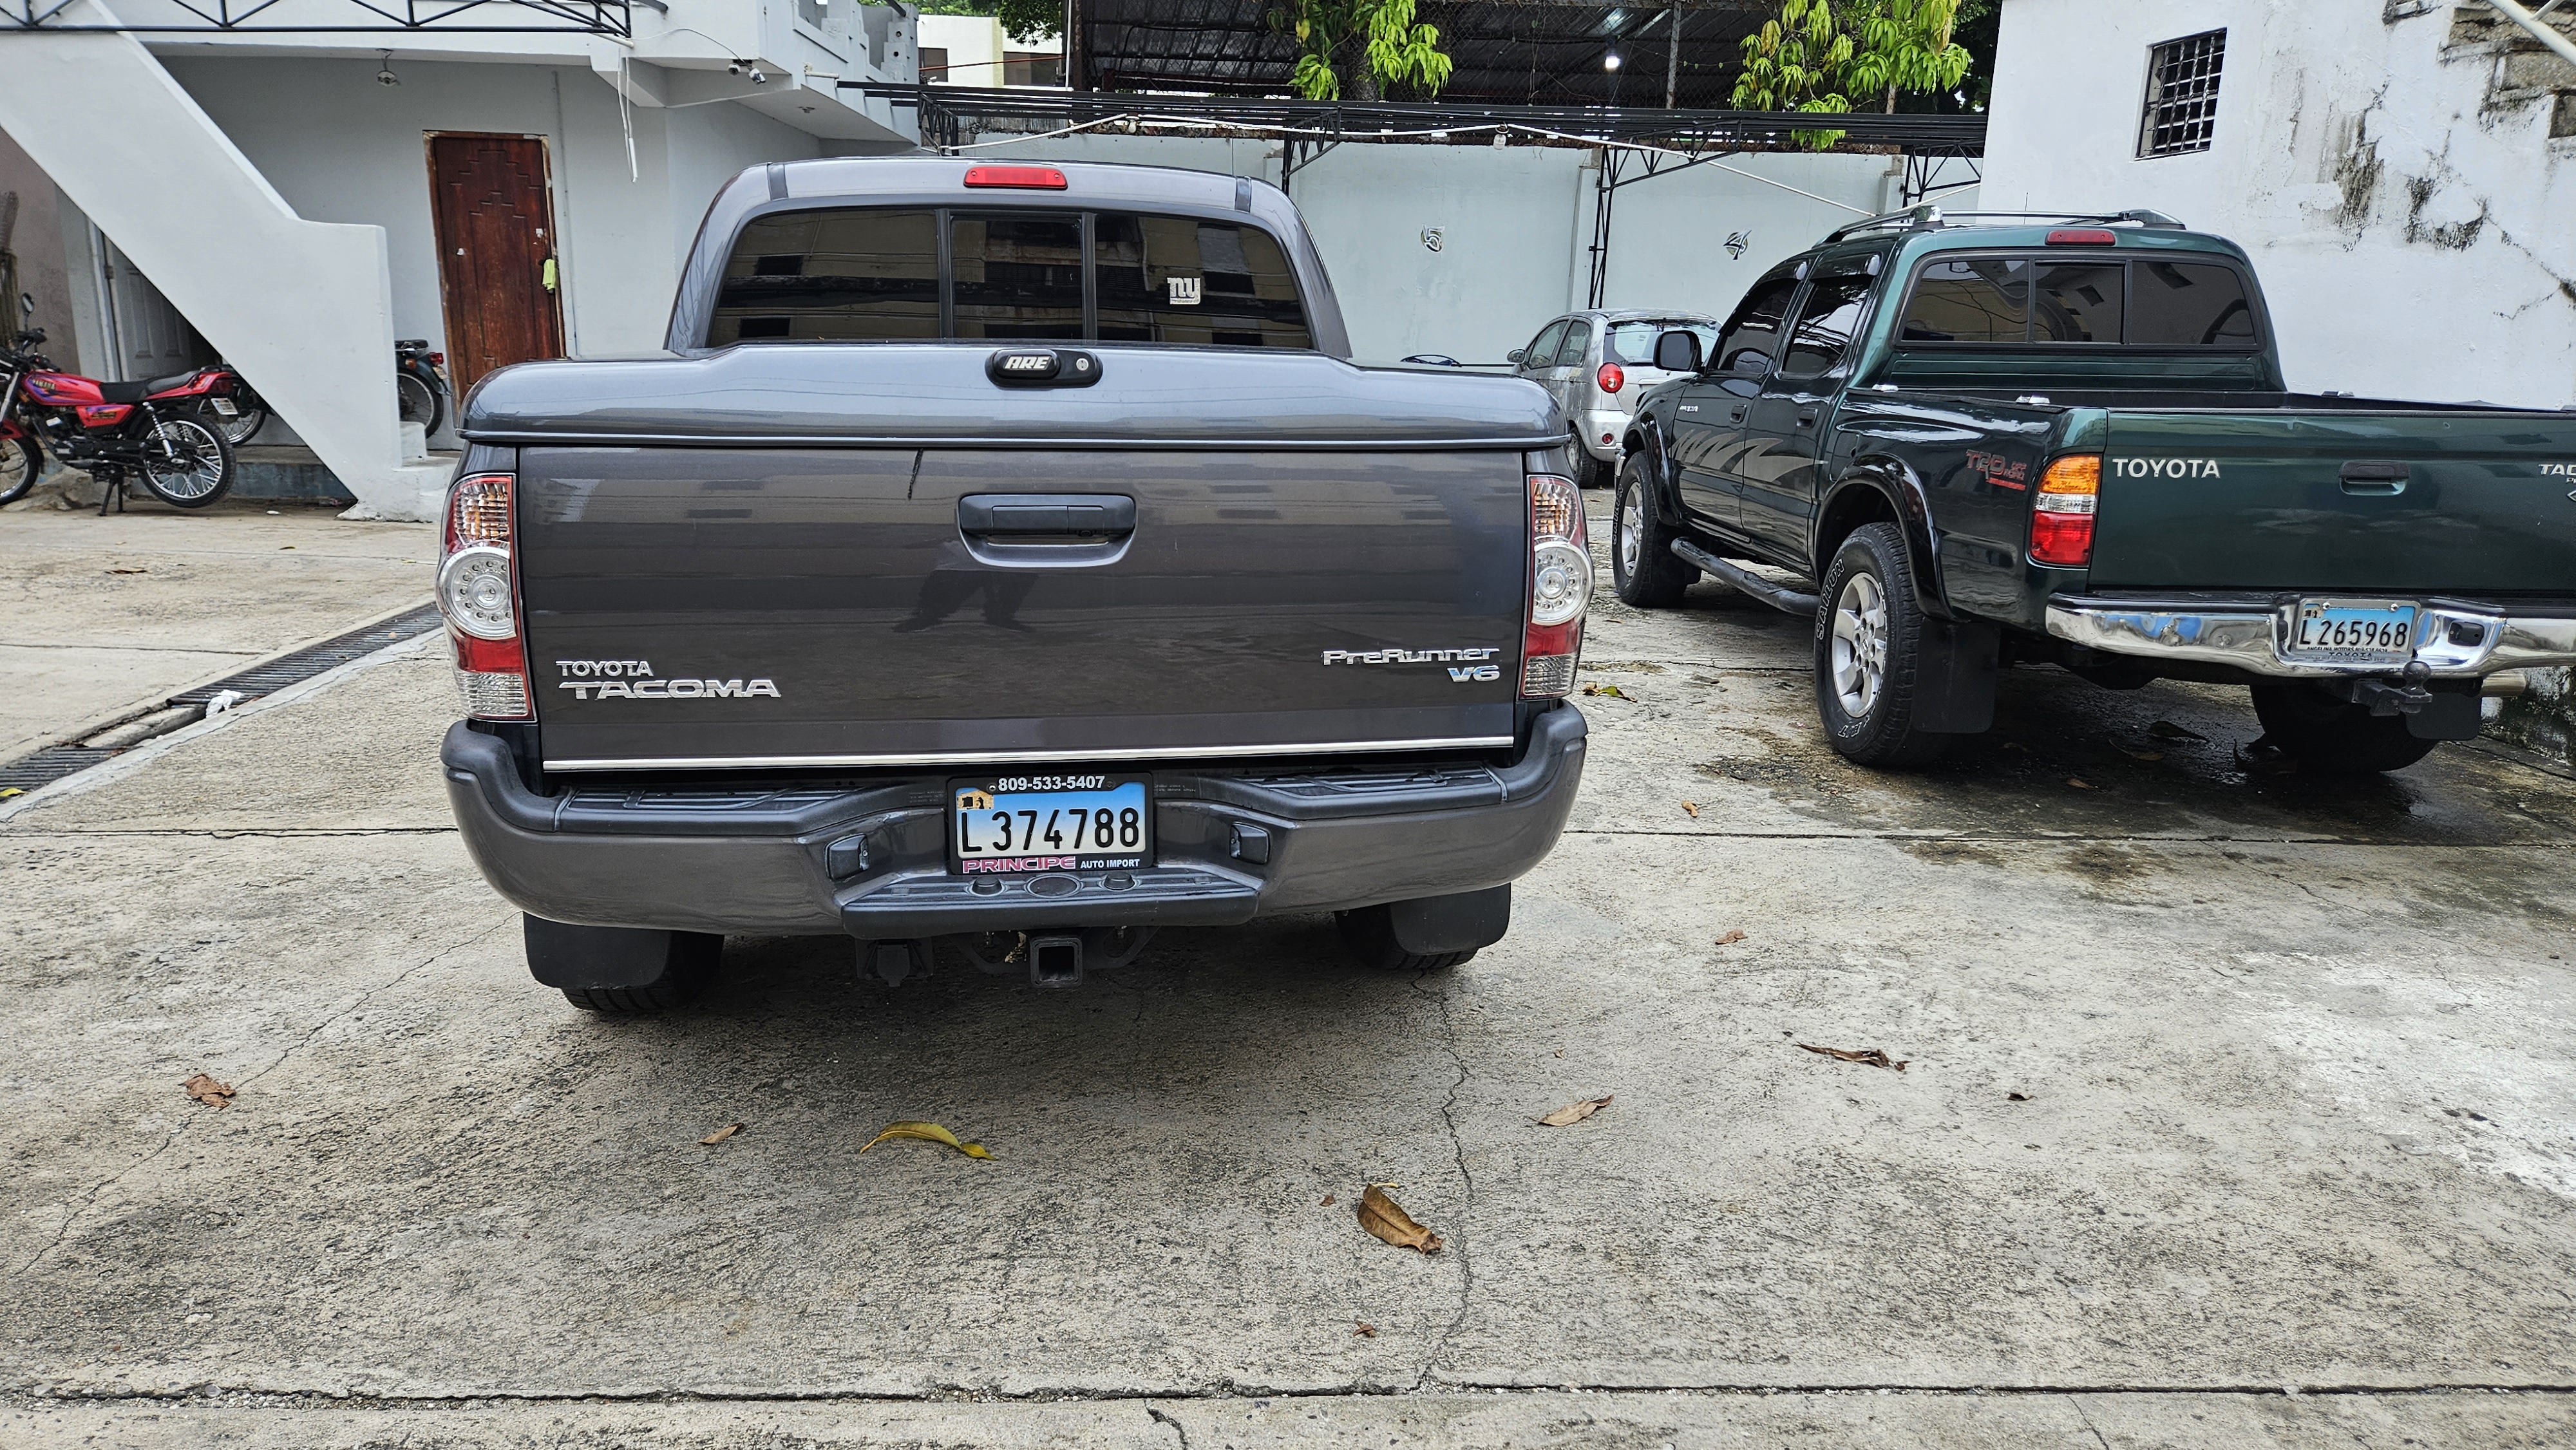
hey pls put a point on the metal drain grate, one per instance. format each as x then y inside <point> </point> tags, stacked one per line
<point>52,763</point>
<point>48,765</point>
<point>304,664</point>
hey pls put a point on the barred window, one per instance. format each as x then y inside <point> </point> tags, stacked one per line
<point>2182,95</point>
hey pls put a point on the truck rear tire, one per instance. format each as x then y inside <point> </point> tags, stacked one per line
<point>621,971</point>
<point>1869,644</point>
<point>2331,736</point>
<point>1643,568</point>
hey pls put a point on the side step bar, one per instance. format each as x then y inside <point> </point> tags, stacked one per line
<point>1778,596</point>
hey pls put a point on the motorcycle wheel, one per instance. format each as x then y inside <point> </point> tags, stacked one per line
<point>249,416</point>
<point>19,465</point>
<point>186,464</point>
<point>419,401</point>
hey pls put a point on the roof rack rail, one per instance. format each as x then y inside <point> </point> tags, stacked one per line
<point>1927,217</point>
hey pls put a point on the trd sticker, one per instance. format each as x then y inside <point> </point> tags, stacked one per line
<point>2001,472</point>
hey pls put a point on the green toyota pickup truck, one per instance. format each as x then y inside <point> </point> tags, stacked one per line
<point>1978,440</point>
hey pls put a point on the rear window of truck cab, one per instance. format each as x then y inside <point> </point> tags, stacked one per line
<point>886,274</point>
<point>2046,299</point>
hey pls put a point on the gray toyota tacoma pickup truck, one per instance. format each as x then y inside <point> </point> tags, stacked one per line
<point>1005,556</point>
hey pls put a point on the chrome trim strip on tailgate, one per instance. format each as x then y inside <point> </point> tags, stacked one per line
<point>1007,757</point>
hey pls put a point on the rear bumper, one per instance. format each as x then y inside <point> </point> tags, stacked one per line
<point>2457,638</point>
<point>1589,426</point>
<point>872,860</point>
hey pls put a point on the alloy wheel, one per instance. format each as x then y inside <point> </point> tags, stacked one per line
<point>1632,531</point>
<point>1859,659</point>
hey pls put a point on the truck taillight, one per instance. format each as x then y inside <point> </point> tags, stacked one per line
<point>1560,586</point>
<point>1612,377</point>
<point>478,592</point>
<point>2061,517</point>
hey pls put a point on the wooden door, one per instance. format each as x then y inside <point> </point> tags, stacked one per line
<point>495,221</point>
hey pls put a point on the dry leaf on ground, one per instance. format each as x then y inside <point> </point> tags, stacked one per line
<point>2168,730</point>
<point>1576,1112</point>
<point>127,571</point>
<point>2136,754</point>
<point>1693,808</point>
<point>13,790</point>
<point>1329,1201</point>
<point>1870,1056</point>
<point>208,1091</point>
<point>1613,691</point>
<point>1730,939</point>
<point>2079,783</point>
<point>1363,1329</point>
<point>727,1131</point>
<point>1380,1216</point>
<point>928,1133</point>
<point>2016,1097</point>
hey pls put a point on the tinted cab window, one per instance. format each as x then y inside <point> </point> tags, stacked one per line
<point>1828,320</point>
<point>2057,299</point>
<point>1754,329</point>
<point>867,274</point>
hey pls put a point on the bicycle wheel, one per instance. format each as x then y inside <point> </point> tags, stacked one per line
<point>186,464</point>
<point>418,401</point>
<point>19,465</point>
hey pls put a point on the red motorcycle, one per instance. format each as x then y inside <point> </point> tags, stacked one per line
<point>116,431</point>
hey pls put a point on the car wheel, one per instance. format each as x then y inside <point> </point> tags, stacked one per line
<point>1869,642</point>
<point>1591,472</point>
<point>1643,569</point>
<point>2332,736</point>
<point>1368,934</point>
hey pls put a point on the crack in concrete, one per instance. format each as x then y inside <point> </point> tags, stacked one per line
<point>1459,1237</point>
<point>1178,1428</point>
<point>2087,1420</point>
<point>89,1200</point>
<point>1234,1391</point>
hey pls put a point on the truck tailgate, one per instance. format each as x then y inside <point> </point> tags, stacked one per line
<point>877,555</point>
<point>2431,501</point>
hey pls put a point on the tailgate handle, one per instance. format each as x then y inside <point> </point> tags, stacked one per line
<point>1074,517</point>
<point>2374,475</point>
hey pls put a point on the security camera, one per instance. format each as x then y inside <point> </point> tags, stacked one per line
<point>733,68</point>
<point>757,78</point>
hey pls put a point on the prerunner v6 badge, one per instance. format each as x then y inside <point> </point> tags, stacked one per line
<point>1018,823</point>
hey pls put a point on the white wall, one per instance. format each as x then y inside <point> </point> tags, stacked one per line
<point>341,147</point>
<point>2413,224</point>
<point>1516,228</point>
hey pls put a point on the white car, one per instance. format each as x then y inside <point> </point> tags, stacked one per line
<point>1596,363</point>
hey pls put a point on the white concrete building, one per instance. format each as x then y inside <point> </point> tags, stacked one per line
<point>304,198</point>
<point>973,50</point>
<point>2403,172</point>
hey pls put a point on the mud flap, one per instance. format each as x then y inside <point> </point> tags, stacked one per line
<point>601,958</point>
<point>2451,714</point>
<point>1954,677</point>
<point>1437,925</point>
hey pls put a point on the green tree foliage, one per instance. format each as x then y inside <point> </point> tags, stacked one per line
<point>1816,55</point>
<point>1904,45</point>
<point>1022,20</point>
<point>1393,49</point>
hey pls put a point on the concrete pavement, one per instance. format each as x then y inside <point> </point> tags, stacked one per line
<point>98,615</point>
<point>2215,1087</point>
